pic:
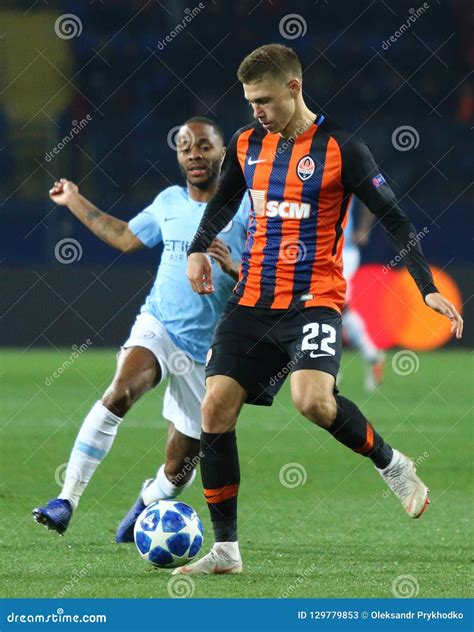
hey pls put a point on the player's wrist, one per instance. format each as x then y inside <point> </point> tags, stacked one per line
<point>196,250</point>
<point>428,290</point>
<point>75,201</point>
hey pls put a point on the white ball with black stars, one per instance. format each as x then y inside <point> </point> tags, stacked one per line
<point>168,533</point>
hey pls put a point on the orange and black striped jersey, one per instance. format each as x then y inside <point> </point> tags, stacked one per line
<point>300,190</point>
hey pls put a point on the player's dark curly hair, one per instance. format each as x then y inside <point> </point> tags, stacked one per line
<point>203,120</point>
<point>271,60</point>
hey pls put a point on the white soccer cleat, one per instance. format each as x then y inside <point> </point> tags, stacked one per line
<point>402,479</point>
<point>216,562</point>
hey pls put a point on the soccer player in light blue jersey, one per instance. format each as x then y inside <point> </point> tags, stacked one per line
<point>172,333</point>
<point>353,325</point>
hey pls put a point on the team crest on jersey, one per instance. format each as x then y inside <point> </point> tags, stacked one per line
<point>305,168</point>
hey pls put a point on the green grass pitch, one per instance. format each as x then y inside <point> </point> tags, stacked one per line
<point>339,534</point>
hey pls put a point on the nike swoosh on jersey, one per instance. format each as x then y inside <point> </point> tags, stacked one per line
<point>319,355</point>
<point>167,219</point>
<point>254,162</point>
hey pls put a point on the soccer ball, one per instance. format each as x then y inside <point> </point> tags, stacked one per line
<point>168,533</point>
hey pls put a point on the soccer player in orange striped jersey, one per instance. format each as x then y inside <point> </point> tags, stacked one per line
<point>284,316</point>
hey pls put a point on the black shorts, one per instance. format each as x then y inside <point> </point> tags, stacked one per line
<point>260,347</point>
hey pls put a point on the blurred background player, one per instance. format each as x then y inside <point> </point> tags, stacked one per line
<point>353,326</point>
<point>172,333</point>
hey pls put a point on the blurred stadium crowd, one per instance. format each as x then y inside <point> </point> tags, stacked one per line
<point>116,93</point>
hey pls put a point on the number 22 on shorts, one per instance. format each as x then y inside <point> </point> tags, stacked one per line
<point>328,337</point>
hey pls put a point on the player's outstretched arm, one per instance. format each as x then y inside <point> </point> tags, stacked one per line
<point>111,230</point>
<point>361,176</point>
<point>441,305</point>
<point>199,273</point>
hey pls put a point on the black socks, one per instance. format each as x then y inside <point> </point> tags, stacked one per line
<point>351,428</point>
<point>220,474</point>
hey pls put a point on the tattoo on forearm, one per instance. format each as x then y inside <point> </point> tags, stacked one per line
<point>93,214</point>
<point>106,226</point>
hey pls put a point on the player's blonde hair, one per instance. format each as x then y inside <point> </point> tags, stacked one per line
<point>272,60</point>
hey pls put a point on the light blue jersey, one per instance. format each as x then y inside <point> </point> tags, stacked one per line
<point>173,219</point>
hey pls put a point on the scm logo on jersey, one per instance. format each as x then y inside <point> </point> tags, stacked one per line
<point>288,210</point>
<point>305,168</point>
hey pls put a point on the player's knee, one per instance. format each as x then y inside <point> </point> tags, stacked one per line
<point>120,397</point>
<point>216,416</point>
<point>320,409</point>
